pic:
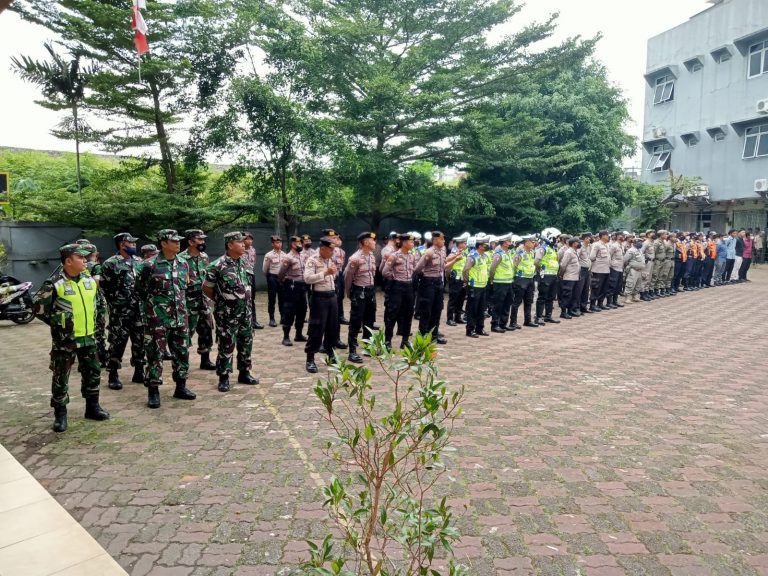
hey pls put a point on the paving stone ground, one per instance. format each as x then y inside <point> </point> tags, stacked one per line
<point>626,442</point>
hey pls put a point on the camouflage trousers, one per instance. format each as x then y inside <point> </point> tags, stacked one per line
<point>159,339</point>
<point>100,332</point>
<point>233,332</point>
<point>200,321</point>
<point>633,281</point>
<point>62,360</point>
<point>125,323</point>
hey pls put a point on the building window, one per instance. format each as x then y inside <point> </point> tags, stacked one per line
<point>723,57</point>
<point>693,142</point>
<point>661,156</point>
<point>756,141</point>
<point>696,66</point>
<point>719,137</point>
<point>758,59</point>
<point>665,89</point>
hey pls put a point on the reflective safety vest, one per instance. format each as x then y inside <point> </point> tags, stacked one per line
<point>79,300</point>
<point>549,263</point>
<point>458,266</point>
<point>505,269</point>
<point>481,266</point>
<point>682,251</point>
<point>526,268</point>
<point>712,249</point>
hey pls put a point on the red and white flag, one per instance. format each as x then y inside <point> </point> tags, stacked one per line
<point>140,27</point>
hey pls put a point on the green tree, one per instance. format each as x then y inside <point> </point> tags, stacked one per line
<point>654,212</point>
<point>550,153</point>
<point>137,115</point>
<point>394,79</point>
<point>63,85</point>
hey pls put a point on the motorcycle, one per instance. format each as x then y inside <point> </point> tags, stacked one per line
<point>16,302</point>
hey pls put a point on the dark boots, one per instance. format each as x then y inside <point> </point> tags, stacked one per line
<point>224,383</point>
<point>113,381</point>
<point>182,392</point>
<point>205,361</point>
<point>287,337</point>
<point>59,418</point>
<point>153,396</point>
<point>138,375</point>
<point>92,409</point>
<point>244,377</point>
<point>311,366</point>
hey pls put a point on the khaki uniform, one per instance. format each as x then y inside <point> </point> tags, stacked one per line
<point>659,264</point>
<point>649,255</point>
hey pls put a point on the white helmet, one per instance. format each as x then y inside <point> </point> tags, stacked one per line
<point>463,238</point>
<point>428,236</point>
<point>481,239</point>
<point>493,239</point>
<point>515,239</point>
<point>416,235</point>
<point>550,234</point>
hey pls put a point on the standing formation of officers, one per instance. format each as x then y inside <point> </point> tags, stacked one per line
<point>160,300</point>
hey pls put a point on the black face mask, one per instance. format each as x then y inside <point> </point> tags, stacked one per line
<point>299,248</point>
<point>201,247</point>
<point>307,246</point>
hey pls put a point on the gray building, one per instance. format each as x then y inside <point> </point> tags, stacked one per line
<point>706,115</point>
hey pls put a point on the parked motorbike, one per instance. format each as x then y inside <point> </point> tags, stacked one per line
<point>16,302</point>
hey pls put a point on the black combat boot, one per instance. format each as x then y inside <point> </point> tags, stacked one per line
<point>114,380</point>
<point>300,337</point>
<point>153,396</point>
<point>244,377</point>
<point>138,375</point>
<point>92,409</point>
<point>59,418</point>
<point>287,337</point>
<point>311,366</point>
<point>354,357</point>
<point>272,323</point>
<point>551,320</point>
<point>182,392</point>
<point>224,383</point>
<point>205,361</point>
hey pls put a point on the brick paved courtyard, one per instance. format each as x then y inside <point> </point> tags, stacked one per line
<point>626,442</point>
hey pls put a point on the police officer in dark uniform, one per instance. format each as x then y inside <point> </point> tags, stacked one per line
<point>320,275</point>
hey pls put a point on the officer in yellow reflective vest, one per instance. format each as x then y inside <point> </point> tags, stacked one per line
<point>502,275</point>
<point>475,275</point>
<point>548,267</point>
<point>454,266</point>
<point>67,303</point>
<point>525,270</point>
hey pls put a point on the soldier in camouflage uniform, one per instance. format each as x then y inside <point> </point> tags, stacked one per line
<point>669,265</point>
<point>200,317</point>
<point>94,269</point>
<point>659,264</point>
<point>162,284</point>
<point>149,251</point>
<point>228,285</point>
<point>249,261</point>
<point>67,303</point>
<point>118,281</point>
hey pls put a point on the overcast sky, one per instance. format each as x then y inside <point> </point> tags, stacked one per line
<point>626,26</point>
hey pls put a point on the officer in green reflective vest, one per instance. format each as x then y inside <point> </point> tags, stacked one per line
<point>548,267</point>
<point>502,275</point>
<point>475,275</point>
<point>454,266</point>
<point>525,270</point>
<point>67,303</point>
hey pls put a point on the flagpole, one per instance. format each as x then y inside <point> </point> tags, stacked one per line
<point>139,68</point>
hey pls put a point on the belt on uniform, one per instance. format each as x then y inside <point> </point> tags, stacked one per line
<point>364,288</point>
<point>298,282</point>
<point>433,279</point>
<point>324,293</point>
<point>403,282</point>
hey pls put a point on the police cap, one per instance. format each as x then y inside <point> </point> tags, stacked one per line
<point>365,235</point>
<point>328,241</point>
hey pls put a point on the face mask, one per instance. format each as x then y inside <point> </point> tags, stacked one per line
<point>201,247</point>
<point>131,251</point>
<point>307,246</point>
<point>577,246</point>
<point>299,248</point>
<point>638,245</point>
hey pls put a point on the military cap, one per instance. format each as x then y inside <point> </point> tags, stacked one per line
<point>149,248</point>
<point>194,233</point>
<point>364,235</point>
<point>247,234</point>
<point>276,238</point>
<point>328,232</point>
<point>406,236</point>
<point>327,241</point>
<point>168,234</point>
<point>572,240</point>
<point>295,239</point>
<point>70,249</point>
<point>649,231</point>
<point>83,241</point>
<point>124,237</point>
<point>306,237</point>
<point>233,237</point>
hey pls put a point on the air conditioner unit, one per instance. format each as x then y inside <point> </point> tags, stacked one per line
<point>661,132</point>
<point>762,106</point>
<point>761,185</point>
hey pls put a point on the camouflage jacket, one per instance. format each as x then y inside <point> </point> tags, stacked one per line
<point>162,284</point>
<point>232,287</point>
<point>58,313</point>
<point>249,260</point>
<point>118,281</point>
<point>198,266</point>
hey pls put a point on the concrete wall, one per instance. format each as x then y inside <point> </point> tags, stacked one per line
<point>32,247</point>
<point>720,94</point>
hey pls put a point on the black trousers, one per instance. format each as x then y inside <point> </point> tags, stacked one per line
<point>362,313</point>
<point>615,284</point>
<point>398,309</point>
<point>679,274</point>
<point>745,264</point>
<point>545,302</point>
<point>568,301</point>
<point>709,270</point>
<point>323,322</point>
<point>524,289</point>
<point>728,269</point>
<point>294,305</point>
<point>340,294</point>
<point>502,303</point>
<point>581,292</point>
<point>430,304</point>
<point>598,288</point>
<point>274,295</point>
<point>457,293</point>
<point>475,309</point>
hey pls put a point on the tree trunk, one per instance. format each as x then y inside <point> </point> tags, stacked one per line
<point>166,157</point>
<point>77,150</point>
